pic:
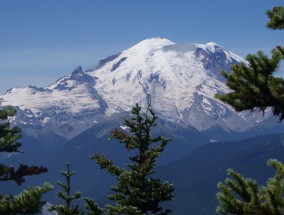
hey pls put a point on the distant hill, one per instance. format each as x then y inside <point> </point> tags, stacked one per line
<point>89,177</point>
<point>195,176</point>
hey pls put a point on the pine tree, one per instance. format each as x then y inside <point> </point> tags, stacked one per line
<point>137,192</point>
<point>28,201</point>
<point>243,196</point>
<point>254,87</point>
<point>67,208</point>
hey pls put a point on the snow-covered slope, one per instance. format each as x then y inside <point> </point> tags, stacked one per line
<point>67,107</point>
<point>181,79</point>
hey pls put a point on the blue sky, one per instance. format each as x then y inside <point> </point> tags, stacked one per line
<point>41,41</point>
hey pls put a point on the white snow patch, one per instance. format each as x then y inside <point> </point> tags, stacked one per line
<point>123,127</point>
<point>46,120</point>
<point>45,210</point>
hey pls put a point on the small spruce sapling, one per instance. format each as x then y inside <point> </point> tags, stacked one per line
<point>67,208</point>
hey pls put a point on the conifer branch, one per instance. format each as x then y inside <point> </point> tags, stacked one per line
<point>27,202</point>
<point>9,173</point>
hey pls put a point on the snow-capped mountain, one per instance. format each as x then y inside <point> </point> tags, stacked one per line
<point>181,79</point>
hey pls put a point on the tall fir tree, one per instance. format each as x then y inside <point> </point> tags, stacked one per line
<point>28,201</point>
<point>254,87</point>
<point>67,208</point>
<point>137,192</point>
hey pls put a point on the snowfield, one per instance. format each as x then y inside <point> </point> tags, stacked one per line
<point>182,80</point>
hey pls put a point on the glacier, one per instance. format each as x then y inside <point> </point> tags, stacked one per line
<point>182,80</point>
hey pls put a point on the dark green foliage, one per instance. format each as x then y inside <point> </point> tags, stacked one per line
<point>92,208</point>
<point>9,144</point>
<point>67,208</point>
<point>253,85</point>
<point>276,16</point>
<point>136,191</point>
<point>28,201</point>
<point>243,195</point>
<point>8,136</point>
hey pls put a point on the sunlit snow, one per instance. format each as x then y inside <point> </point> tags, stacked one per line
<point>179,78</point>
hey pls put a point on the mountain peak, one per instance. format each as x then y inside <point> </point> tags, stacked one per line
<point>155,40</point>
<point>211,47</point>
<point>181,78</point>
<point>213,44</point>
<point>77,70</point>
<point>77,74</point>
<point>150,43</point>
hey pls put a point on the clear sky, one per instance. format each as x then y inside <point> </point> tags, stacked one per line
<point>41,41</point>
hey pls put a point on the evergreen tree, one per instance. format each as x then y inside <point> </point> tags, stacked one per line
<point>28,201</point>
<point>137,192</point>
<point>254,87</point>
<point>67,208</point>
<point>243,196</point>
